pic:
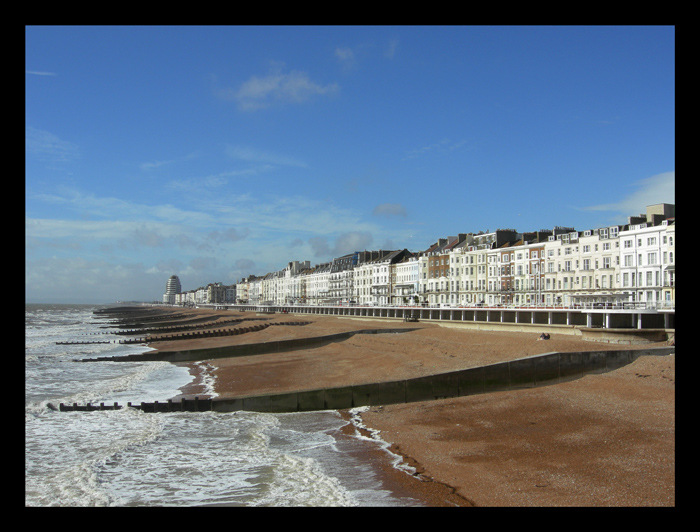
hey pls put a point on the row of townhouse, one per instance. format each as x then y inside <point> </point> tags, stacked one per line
<point>213,293</point>
<point>634,262</point>
<point>619,264</point>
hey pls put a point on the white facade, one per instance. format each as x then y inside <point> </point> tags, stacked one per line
<point>669,265</point>
<point>381,282</point>
<point>644,249</point>
<point>363,283</point>
<point>406,277</point>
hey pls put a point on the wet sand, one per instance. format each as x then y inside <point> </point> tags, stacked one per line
<point>603,440</point>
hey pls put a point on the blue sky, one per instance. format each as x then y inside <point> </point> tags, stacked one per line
<point>218,152</point>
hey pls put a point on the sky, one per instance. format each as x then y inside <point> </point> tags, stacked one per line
<point>217,152</point>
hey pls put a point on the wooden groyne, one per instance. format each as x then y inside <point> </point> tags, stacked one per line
<point>83,342</point>
<point>184,405</point>
<point>528,372</point>
<point>279,346</point>
<point>186,335</point>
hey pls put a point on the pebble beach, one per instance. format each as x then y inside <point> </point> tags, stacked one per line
<point>602,440</point>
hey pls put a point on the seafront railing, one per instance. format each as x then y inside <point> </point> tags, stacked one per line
<point>627,305</point>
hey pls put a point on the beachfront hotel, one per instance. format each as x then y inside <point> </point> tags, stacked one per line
<point>560,267</point>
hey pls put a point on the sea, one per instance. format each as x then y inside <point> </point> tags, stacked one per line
<point>130,458</point>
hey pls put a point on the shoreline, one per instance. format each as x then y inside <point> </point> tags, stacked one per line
<point>425,490</point>
<point>407,479</point>
<point>603,440</point>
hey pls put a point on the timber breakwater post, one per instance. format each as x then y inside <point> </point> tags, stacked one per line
<point>280,346</point>
<point>161,325</point>
<point>185,405</point>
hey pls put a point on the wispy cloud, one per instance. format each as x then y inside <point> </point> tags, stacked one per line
<point>345,55</point>
<point>344,243</point>
<point>277,87</point>
<point>202,184</point>
<point>390,209</point>
<point>152,165</point>
<point>346,58</point>
<point>253,155</point>
<point>39,73</point>
<point>47,147</point>
<point>207,218</point>
<point>392,47</point>
<point>441,147</point>
<point>659,188</point>
<point>350,57</point>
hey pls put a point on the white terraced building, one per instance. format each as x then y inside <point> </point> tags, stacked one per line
<point>616,265</point>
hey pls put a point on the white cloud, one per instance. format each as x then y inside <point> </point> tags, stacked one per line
<point>219,223</point>
<point>391,48</point>
<point>660,188</point>
<point>352,241</point>
<point>215,237</point>
<point>345,55</point>
<point>442,146</point>
<point>248,154</point>
<point>76,279</point>
<point>344,243</point>
<point>389,209</point>
<point>47,147</point>
<point>157,164</point>
<point>276,87</point>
